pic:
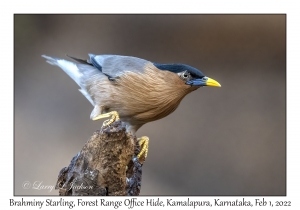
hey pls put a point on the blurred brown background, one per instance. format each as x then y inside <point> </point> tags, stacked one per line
<point>220,141</point>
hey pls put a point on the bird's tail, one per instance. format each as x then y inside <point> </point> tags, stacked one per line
<point>83,73</point>
<point>70,68</point>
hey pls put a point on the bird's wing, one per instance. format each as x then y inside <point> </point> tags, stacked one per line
<point>115,65</point>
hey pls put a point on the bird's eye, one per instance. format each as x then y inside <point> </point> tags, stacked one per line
<point>186,76</point>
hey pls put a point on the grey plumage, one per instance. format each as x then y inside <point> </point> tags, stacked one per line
<point>115,66</point>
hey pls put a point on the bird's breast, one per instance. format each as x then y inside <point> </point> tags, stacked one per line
<point>148,96</point>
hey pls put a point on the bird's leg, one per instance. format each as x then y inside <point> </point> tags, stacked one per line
<point>144,144</point>
<point>113,117</point>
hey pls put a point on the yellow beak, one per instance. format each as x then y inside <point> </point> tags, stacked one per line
<point>212,82</point>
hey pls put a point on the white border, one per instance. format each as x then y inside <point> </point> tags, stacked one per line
<point>153,6</point>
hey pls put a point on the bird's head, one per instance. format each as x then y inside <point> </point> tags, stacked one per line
<point>188,74</point>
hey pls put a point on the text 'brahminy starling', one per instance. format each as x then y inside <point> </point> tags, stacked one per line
<point>130,89</point>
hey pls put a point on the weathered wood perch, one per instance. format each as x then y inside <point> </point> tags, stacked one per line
<point>106,165</point>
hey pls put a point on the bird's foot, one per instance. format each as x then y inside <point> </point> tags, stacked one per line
<point>114,116</point>
<point>144,144</point>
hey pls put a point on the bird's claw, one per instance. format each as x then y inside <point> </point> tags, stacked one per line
<point>144,144</point>
<point>114,116</point>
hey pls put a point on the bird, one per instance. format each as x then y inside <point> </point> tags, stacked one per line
<point>131,89</point>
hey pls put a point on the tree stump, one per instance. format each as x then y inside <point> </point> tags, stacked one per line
<point>106,165</point>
